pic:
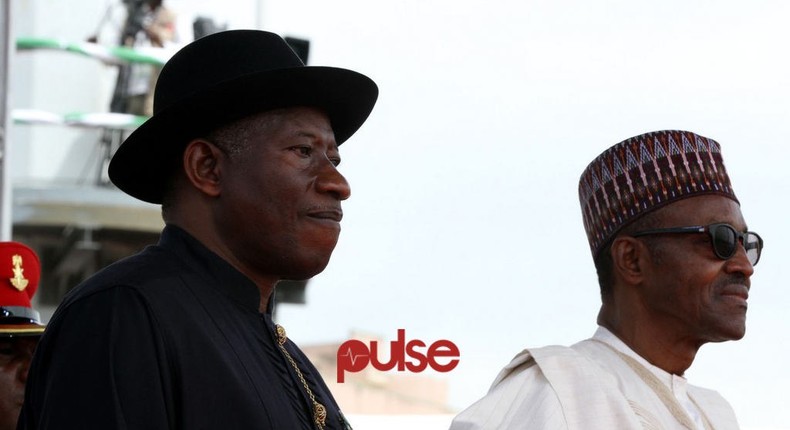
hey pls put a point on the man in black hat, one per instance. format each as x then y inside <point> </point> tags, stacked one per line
<point>242,153</point>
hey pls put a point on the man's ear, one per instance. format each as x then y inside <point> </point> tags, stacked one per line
<point>202,166</point>
<point>628,259</point>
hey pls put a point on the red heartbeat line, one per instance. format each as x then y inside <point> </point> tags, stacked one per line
<point>351,356</point>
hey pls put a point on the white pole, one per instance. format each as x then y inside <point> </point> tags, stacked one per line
<point>6,51</point>
<point>258,15</point>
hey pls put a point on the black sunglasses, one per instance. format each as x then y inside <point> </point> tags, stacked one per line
<point>724,239</point>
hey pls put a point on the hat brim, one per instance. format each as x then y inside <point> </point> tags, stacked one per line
<point>144,162</point>
<point>11,330</point>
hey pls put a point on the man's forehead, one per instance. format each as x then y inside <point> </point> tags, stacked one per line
<point>703,210</point>
<point>297,114</point>
<point>304,122</point>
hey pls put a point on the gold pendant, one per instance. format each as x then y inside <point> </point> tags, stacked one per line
<point>281,336</point>
<point>319,414</point>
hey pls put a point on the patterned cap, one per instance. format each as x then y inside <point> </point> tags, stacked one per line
<point>644,173</point>
<point>20,271</point>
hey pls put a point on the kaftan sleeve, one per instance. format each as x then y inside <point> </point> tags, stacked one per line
<point>101,364</point>
<point>520,398</point>
<point>552,387</point>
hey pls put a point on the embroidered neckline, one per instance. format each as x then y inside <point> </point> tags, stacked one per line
<point>661,390</point>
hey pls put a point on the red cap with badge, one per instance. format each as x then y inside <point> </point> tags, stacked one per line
<point>20,271</point>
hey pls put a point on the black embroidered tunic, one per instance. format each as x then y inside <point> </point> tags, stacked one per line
<point>170,338</point>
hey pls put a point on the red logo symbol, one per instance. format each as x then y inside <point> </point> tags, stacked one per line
<point>354,355</point>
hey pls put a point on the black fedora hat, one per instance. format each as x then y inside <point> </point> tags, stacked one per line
<point>224,77</point>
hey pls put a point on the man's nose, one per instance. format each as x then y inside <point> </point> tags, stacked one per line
<point>739,263</point>
<point>331,181</point>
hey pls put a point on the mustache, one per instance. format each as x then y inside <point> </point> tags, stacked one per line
<point>735,278</point>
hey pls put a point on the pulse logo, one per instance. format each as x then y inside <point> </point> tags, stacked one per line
<point>353,356</point>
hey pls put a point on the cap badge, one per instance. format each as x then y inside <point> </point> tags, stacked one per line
<point>19,281</point>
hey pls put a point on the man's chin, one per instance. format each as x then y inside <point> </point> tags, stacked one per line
<point>306,269</point>
<point>731,332</point>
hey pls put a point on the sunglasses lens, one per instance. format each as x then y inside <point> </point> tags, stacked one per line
<point>753,246</point>
<point>724,241</point>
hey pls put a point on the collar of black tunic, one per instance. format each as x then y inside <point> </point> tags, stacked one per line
<point>228,280</point>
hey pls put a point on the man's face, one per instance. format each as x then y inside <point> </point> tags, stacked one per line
<point>689,290</point>
<point>280,199</point>
<point>15,355</point>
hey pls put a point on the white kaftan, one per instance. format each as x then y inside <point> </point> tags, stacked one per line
<point>596,384</point>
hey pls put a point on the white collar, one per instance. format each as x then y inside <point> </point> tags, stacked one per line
<point>676,383</point>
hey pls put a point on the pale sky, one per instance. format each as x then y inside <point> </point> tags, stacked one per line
<point>464,222</point>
